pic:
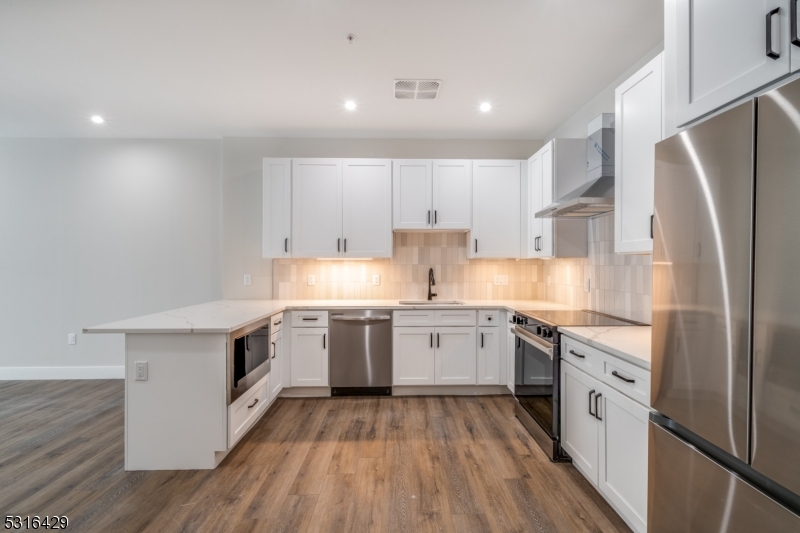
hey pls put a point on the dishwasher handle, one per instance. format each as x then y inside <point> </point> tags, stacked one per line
<point>360,318</point>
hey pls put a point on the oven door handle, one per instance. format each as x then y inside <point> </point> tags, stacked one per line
<point>533,340</point>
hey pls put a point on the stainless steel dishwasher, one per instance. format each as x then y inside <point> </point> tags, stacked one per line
<point>361,352</point>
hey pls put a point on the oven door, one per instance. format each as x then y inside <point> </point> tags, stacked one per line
<point>535,379</point>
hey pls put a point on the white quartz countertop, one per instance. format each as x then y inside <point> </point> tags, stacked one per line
<point>224,316</point>
<point>629,343</point>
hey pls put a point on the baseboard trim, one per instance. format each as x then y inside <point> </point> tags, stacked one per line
<point>14,373</point>
<point>449,390</point>
<point>305,392</point>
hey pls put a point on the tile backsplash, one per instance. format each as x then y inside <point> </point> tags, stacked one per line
<point>405,276</point>
<point>621,285</point>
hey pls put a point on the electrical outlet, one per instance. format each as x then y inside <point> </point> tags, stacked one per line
<point>501,279</point>
<point>312,280</point>
<point>587,285</point>
<point>140,369</point>
<point>376,279</point>
<point>71,338</point>
<point>247,279</point>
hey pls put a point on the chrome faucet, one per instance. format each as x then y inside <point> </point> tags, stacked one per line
<point>431,283</point>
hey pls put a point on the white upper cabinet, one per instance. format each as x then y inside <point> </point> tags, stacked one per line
<point>277,210</point>
<point>367,208</point>
<point>723,53</point>
<point>412,194</point>
<point>556,169</point>
<point>496,209</point>
<point>638,128</point>
<point>316,207</point>
<point>452,194</point>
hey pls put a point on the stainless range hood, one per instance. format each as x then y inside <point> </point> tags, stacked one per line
<point>596,196</point>
<point>591,199</point>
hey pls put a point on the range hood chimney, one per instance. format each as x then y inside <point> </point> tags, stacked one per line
<point>596,196</point>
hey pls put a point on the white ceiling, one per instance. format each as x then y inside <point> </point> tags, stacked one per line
<point>201,68</point>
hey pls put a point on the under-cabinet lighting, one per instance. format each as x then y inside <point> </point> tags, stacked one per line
<point>344,258</point>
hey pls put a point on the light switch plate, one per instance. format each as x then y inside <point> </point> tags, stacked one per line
<point>501,279</point>
<point>312,280</point>
<point>376,279</point>
<point>587,285</point>
<point>140,369</point>
<point>71,338</point>
<point>247,279</point>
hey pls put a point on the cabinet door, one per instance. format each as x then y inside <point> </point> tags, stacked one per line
<point>546,248</point>
<point>316,207</point>
<point>488,356</point>
<point>638,129</point>
<point>276,365</point>
<point>455,356</point>
<point>452,194</point>
<point>413,356</point>
<point>532,198</point>
<point>511,344</point>
<point>579,427</point>
<point>309,357</point>
<point>721,51</point>
<point>367,208</point>
<point>623,455</point>
<point>277,207</point>
<point>412,183</point>
<point>496,209</point>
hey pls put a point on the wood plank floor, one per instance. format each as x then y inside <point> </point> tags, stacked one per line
<point>451,464</point>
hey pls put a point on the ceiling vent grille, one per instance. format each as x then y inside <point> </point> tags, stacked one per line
<point>416,89</point>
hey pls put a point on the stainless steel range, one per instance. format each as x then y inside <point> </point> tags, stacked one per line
<point>538,366</point>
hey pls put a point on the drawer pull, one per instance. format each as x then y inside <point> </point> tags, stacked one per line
<point>623,378</point>
<point>279,322</point>
<point>310,319</point>
<point>254,404</point>
<point>576,354</point>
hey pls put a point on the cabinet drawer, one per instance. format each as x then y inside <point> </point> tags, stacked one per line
<point>244,412</point>
<point>628,379</point>
<point>309,319</point>
<point>585,357</point>
<point>489,318</point>
<point>413,318</point>
<point>456,317</point>
<point>275,322</point>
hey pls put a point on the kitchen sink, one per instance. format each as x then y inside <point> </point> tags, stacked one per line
<point>430,302</point>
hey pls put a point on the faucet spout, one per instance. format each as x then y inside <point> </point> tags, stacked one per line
<point>431,283</point>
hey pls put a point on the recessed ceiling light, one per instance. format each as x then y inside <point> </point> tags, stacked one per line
<point>350,105</point>
<point>486,107</point>
<point>97,119</point>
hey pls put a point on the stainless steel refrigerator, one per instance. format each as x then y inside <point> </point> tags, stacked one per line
<point>725,446</point>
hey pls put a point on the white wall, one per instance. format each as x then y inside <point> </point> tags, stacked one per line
<point>93,231</point>
<point>242,162</point>
<point>575,126</point>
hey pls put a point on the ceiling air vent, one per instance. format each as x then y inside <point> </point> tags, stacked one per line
<point>416,89</point>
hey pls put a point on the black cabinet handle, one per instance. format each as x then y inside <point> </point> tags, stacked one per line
<point>253,404</point>
<point>597,407</point>
<point>435,217</point>
<point>476,246</point>
<point>652,226</point>
<point>591,401</point>
<point>310,318</point>
<point>793,15</point>
<point>345,246</point>
<point>286,245</point>
<point>623,378</point>
<point>576,354</point>
<point>772,54</point>
<point>273,350</point>
<point>338,245</point>
<point>437,340</point>
<point>481,340</point>
<point>431,340</point>
<point>279,322</point>
<point>324,339</point>
<point>429,216</point>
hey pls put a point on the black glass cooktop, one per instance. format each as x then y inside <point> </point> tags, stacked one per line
<point>577,318</point>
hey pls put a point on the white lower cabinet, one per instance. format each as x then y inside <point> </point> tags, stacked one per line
<point>276,365</point>
<point>413,356</point>
<point>511,345</point>
<point>605,432</point>
<point>488,355</point>
<point>309,357</point>
<point>246,410</point>
<point>455,356</point>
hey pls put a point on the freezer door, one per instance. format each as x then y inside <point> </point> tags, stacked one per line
<point>690,492</point>
<point>702,278</point>
<point>776,330</point>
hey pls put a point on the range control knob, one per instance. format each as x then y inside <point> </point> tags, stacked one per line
<point>550,333</point>
<point>539,330</point>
